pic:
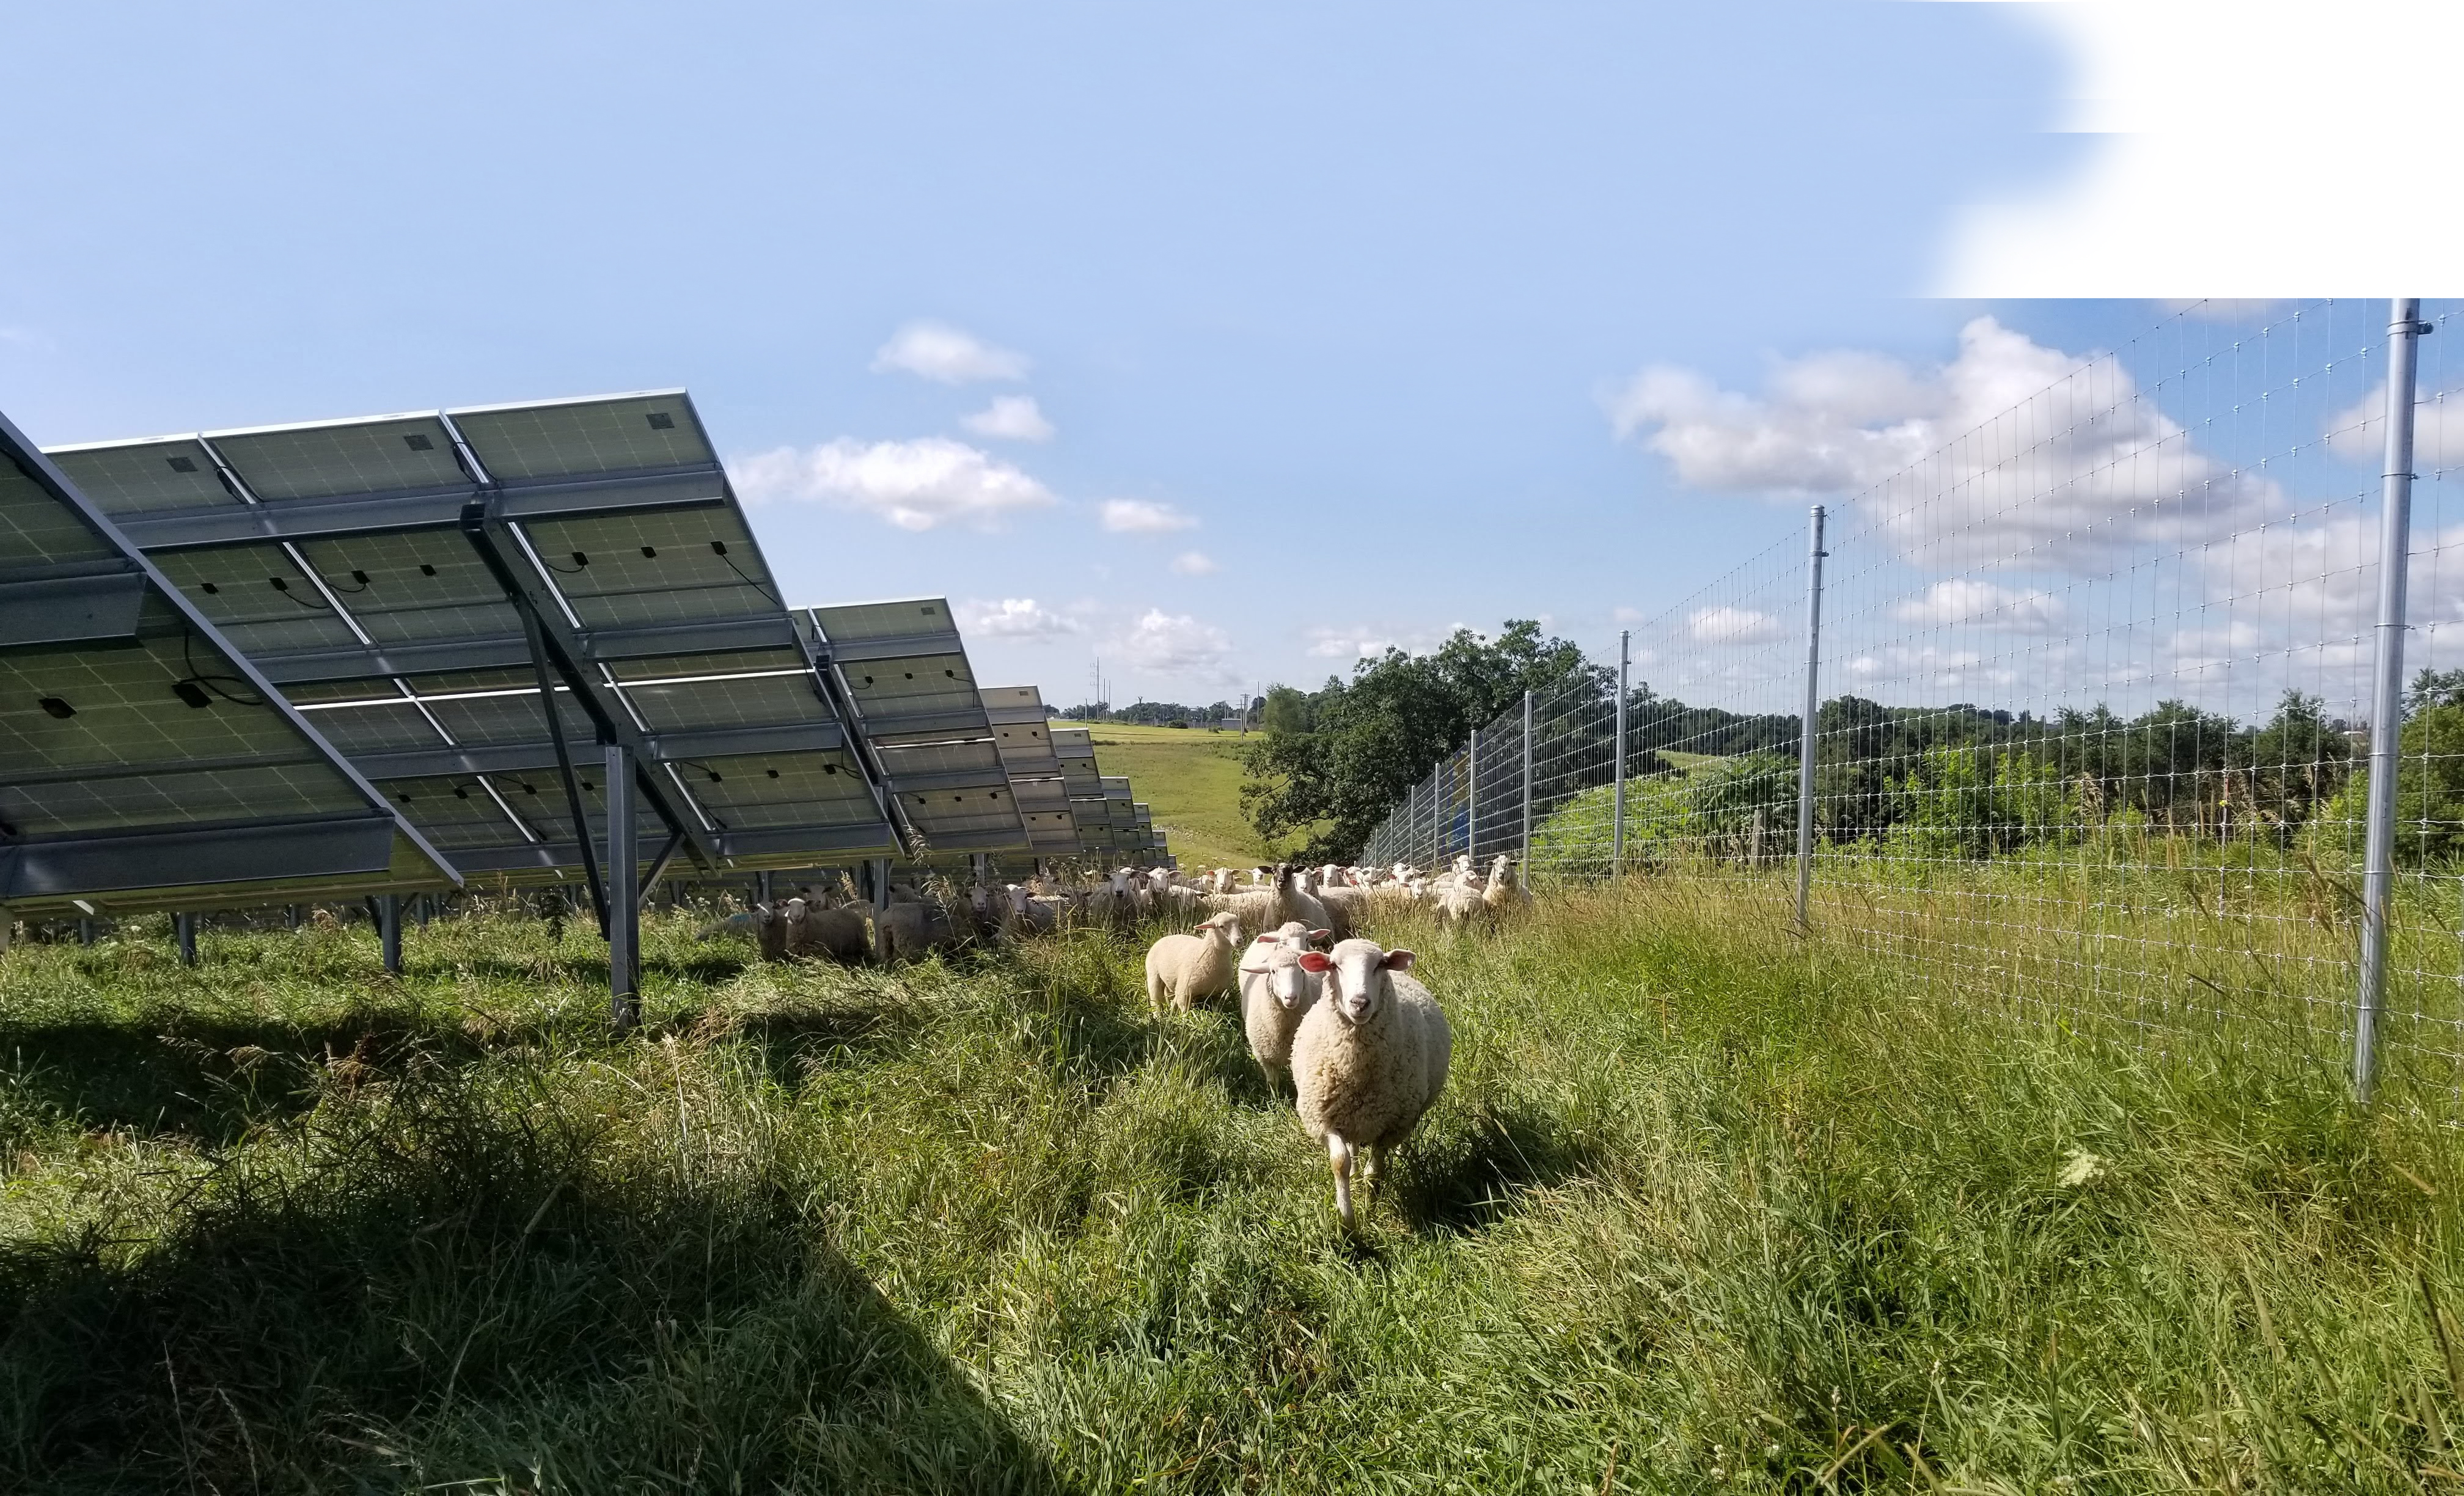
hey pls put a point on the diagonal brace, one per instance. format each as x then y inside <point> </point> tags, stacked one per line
<point>566,652</point>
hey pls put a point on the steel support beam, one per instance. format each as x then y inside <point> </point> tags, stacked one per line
<point>184,930</point>
<point>296,520</point>
<point>624,898</point>
<point>390,931</point>
<point>52,612</point>
<point>134,862</point>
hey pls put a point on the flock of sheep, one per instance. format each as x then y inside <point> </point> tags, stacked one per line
<point>1364,1042</point>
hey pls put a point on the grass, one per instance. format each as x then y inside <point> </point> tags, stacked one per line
<point>1703,1207</point>
<point>1190,778</point>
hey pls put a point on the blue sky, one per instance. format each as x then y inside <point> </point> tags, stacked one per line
<point>1352,290</point>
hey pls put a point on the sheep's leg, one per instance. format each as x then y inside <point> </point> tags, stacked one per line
<point>1155,993</point>
<point>1373,1168</point>
<point>1338,1155</point>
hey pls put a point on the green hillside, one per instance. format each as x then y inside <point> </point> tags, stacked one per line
<point>1190,779</point>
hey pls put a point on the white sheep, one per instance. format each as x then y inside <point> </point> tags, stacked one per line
<point>1369,1060</point>
<point>813,928</point>
<point>1276,992</point>
<point>910,928</point>
<point>1205,963</point>
<point>1505,894</point>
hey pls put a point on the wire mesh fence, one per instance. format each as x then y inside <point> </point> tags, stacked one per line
<point>2095,684</point>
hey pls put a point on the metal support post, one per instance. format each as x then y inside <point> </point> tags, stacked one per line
<point>1471,796</point>
<point>184,925</point>
<point>2387,713</point>
<point>880,882</point>
<point>982,865</point>
<point>1617,817</point>
<point>390,931</point>
<point>1805,740</point>
<point>290,916</point>
<point>85,930</point>
<point>761,886</point>
<point>1526,853</point>
<point>624,894</point>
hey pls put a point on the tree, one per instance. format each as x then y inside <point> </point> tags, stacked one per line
<point>1368,740</point>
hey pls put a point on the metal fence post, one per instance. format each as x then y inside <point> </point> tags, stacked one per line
<point>1814,553</point>
<point>1527,783</point>
<point>184,928</point>
<point>2386,713</point>
<point>1471,796</point>
<point>1617,825</point>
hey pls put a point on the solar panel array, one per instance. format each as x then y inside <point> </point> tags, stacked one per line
<point>142,758</point>
<point>378,571</point>
<point>427,592</point>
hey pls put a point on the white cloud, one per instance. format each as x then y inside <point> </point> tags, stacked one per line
<point>917,485</point>
<point>2359,430</point>
<point>1178,645</point>
<point>1195,564</point>
<point>1626,615</point>
<point>1140,516</point>
<point>1731,625</point>
<point>2049,457</point>
<point>2162,204</point>
<point>1016,618</point>
<point>1010,418</point>
<point>938,351</point>
<point>1964,600</point>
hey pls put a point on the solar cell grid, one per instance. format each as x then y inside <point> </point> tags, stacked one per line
<point>329,460</point>
<point>412,586</point>
<point>258,597</point>
<point>159,475</point>
<point>624,433</point>
<point>36,532</point>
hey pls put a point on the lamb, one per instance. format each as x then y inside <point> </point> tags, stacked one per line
<point>770,931</point>
<point>1276,993</point>
<point>1205,963</point>
<point>1367,1061</point>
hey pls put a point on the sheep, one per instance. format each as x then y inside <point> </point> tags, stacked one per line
<point>1281,902</point>
<point>912,928</point>
<point>770,931</point>
<point>1367,1061</point>
<point>1205,963</point>
<point>1276,991</point>
<point>1506,892</point>
<point>813,928</point>
<point>1347,910</point>
<point>1459,905</point>
<point>1028,914</point>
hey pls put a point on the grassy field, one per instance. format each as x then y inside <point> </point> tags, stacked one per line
<point>1703,1207</point>
<point>1191,779</point>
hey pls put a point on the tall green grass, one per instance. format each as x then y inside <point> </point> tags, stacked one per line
<point>1704,1205</point>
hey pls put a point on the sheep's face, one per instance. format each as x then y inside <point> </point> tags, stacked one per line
<point>1291,984</point>
<point>1356,980</point>
<point>795,912</point>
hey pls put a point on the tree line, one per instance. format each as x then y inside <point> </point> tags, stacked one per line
<point>1960,779</point>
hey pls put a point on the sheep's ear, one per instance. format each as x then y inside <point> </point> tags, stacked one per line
<point>1322,934</point>
<point>1399,960</point>
<point>1253,971</point>
<point>1315,962</point>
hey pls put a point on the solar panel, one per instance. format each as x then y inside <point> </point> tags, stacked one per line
<point>1022,731</point>
<point>411,552</point>
<point>905,671</point>
<point>143,763</point>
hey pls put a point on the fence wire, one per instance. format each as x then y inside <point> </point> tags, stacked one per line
<point>2095,679</point>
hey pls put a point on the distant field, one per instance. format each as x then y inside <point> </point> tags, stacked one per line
<point>1190,779</point>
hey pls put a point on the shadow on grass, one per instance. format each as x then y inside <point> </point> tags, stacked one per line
<point>208,1079</point>
<point>1465,1177</point>
<point>416,1288</point>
